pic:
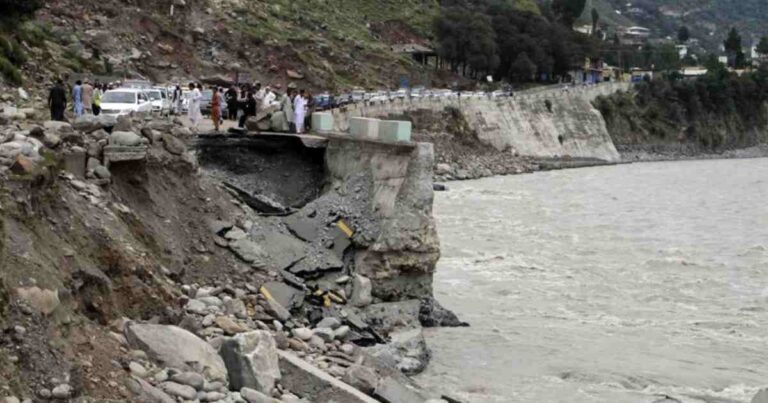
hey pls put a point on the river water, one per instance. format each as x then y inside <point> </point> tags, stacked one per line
<point>608,284</point>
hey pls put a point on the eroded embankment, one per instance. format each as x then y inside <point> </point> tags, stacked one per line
<point>148,278</point>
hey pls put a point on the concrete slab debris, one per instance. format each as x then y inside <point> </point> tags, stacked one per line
<point>304,228</point>
<point>122,154</point>
<point>390,390</point>
<point>310,382</point>
<point>260,203</point>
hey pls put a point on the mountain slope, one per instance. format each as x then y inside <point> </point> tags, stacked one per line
<point>708,20</point>
<point>332,44</point>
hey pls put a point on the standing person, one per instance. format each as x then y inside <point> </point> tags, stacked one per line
<point>77,98</point>
<point>249,108</point>
<point>97,92</point>
<point>311,107</point>
<point>286,105</point>
<point>231,98</point>
<point>241,102</point>
<point>87,97</point>
<point>258,94</point>
<point>195,97</point>
<point>216,109</point>
<point>299,111</point>
<point>269,98</point>
<point>57,100</point>
<point>178,100</point>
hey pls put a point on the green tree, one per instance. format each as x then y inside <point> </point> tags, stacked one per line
<point>733,48</point>
<point>523,68</point>
<point>683,35</point>
<point>13,10</point>
<point>762,46</point>
<point>595,20</point>
<point>567,11</point>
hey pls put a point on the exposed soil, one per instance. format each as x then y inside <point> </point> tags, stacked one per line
<point>109,257</point>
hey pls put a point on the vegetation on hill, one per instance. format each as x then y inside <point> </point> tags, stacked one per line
<point>11,53</point>
<point>479,37</point>
<point>716,112</point>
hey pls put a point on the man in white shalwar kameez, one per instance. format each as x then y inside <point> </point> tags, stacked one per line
<point>195,96</point>
<point>299,110</point>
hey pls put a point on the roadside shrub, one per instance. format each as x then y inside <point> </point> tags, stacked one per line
<point>11,50</point>
<point>12,10</point>
<point>9,72</point>
<point>33,34</point>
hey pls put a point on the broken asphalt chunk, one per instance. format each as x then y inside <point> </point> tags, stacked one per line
<point>285,295</point>
<point>260,203</point>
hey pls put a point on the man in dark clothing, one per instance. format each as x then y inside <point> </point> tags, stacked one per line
<point>57,101</point>
<point>231,97</point>
<point>249,108</point>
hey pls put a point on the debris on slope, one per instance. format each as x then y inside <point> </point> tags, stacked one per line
<point>156,283</point>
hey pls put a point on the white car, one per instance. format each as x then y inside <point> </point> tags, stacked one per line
<point>159,99</point>
<point>380,96</point>
<point>125,101</point>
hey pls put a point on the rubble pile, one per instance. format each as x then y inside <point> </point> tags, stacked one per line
<point>325,303</point>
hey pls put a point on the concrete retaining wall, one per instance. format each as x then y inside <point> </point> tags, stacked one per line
<point>548,122</point>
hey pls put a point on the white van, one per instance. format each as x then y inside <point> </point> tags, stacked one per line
<point>125,101</point>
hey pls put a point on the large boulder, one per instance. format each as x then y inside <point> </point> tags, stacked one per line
<point>123,123</point>
<point>107,120</point>
<point>58,127</point>
<point>173,145</point>
<point>125,139</point>
<point>252,361</point>
<point>87,123</point>
<point>41,300</point>
<point>407,351</point>
<point>175,347</point>
<point>278,122</point>
<point>361,291</point>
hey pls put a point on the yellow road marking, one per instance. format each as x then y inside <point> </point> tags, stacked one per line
<point>343,227</point>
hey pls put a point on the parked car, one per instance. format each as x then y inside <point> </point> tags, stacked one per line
<point>401,93</point>
<point>159,100</point>
<point>417,92</point>
<point>357,96</point>
<point>380,96</point>
<point>167,102</point>
<point>125,101</point>
<point>342,100</point>
<point>322,101</point>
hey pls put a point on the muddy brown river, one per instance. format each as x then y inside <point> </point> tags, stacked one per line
<point>609,284</point>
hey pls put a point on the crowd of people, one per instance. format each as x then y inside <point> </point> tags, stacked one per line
<point>86,98</point>
<point>238,103</point>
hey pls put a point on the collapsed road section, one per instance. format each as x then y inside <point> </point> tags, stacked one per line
<point>247,267</point>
